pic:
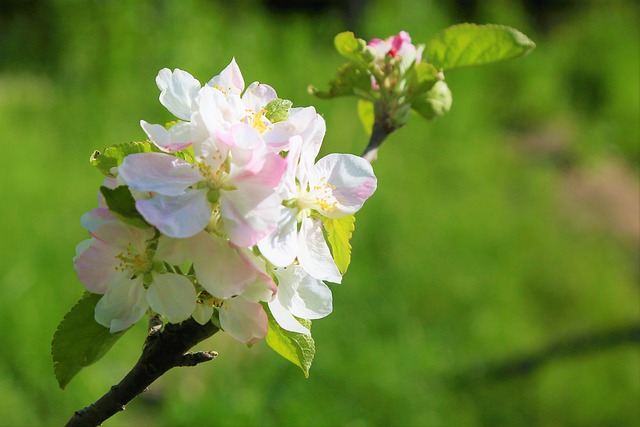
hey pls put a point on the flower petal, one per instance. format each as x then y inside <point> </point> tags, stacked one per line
<point>179,89</point>
<point>249,213</point>
<point>122,305</point>
<point>202,313</point>
<point>313,252</point>
<point>174,139</point>
<point>219,267</point>
<point>285,319</point>
<point>281,246</point>
<point>180,216</point>
<point>257,96</point>
<point>230,80</point>
<point>351,178</point>
<point>173,296</point>
<point>304,296</point>
<point>97,266</point>
<point>158,172</point>
<point>243,320</point>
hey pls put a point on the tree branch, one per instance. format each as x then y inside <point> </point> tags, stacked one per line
<point>163,350</point>
<point>382,128</point>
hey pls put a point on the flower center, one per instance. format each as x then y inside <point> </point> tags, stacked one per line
<point>319,197</point>
<point>134,262</point>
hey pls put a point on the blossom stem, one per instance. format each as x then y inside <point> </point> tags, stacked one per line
<point>162,351</point>
<point>382,128</point>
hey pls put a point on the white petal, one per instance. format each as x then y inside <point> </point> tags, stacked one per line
<point>351,177</point>
<point>257,96</point>
<point>158,172</point>
<point>281,246</point>
<point>180,216</point>
<point>202,313</point>
<point>314,254</point>
<point>219,267</point>
<point>176,138</point>
<point>97,266</point>
<point>173,296</point>
<point>285,319</point>
<point>249,213</point>
<point>304,296</point>
<point>179,90</point>
<point>245,321</point>
<point>123,305</point>
<point>230,80</point>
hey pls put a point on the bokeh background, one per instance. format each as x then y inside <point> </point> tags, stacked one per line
<point>495,274</point>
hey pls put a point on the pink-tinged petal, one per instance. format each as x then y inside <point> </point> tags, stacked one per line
<point>249,213</point>
<point>219,267</point>
<point>351,178</point>
<point>217,111</point>
<point>263,288</point>
<point>97,266</point>
<point>178,91</point>
<point>313,252</point>
<point>311,143</point>
<point>281,246</point>
<point>96,218</point>
<point>120,235</point>
<point>158,172</point>
<point>257,96</point>
<point>230,80</point>
<point>300,120</point>
<point>176,138</point>
<point>243,320</point>
<point>173,251</point>
<point>122,305</point>
<point>285,319</point>
<point>302,295</point>
<point>256,167</point>
<point>173,296</point>
<point>202,313</point>
<point>180,216</point>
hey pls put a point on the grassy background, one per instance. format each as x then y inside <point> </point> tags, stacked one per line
<point>505,226</point>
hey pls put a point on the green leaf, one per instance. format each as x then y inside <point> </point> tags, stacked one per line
<point>122,204</point>
<point>296,348</point>
<point>436,102</point>
<point>469,44</point>
<point>366,114</point>
<point>353,48</point>
<point>278,110</point>
<point>79,341</point>
<point>351,79</point>
<point>112,156</point>
<point>423,77</point>
<point>339,231</point>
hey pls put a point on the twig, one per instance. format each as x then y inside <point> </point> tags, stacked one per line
<point>163,350</point>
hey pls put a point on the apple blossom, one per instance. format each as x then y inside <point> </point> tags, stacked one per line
<point>117,261</point>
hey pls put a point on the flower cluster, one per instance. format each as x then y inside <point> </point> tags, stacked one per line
<point>228,207</point>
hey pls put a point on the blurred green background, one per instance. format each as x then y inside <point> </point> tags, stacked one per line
<point>499,231</point>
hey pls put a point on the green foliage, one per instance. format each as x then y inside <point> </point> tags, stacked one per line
<point>466,45</point>
<point>366,113</point>
<point>79,341</point>
<point>351,79</point>
<point>122,204</point>
<point>297,348</point>
<point>112,156</point>
<point>339,232</point>
<point>436,102</point>
<point>278,110</point>
<point>353,48</point>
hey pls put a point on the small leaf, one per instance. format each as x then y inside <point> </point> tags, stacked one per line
<point>353,48</point>
<point>112,156</point>
<point>436,102</point>
<point>469,44</point>
<point>351,79</point>
<point>423,77</point>
<point>123,205</point>
<point>278,110</point>
<point>339,231</point>
<point>296,348</point>
<point>79,341</point>
<point>366,114</point>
